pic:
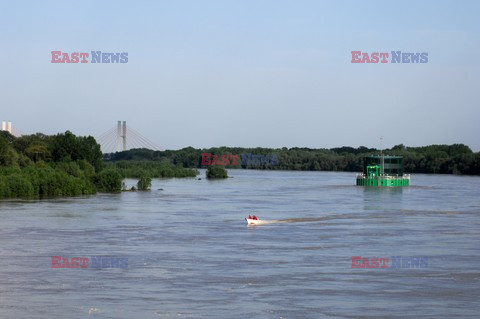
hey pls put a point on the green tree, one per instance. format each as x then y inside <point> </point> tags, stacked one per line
<point>8,156</point>
<point>144,183</point>
<point>109,180</point>
<point>37,152</point>
<point>216,171</point>
<point>68,147</point>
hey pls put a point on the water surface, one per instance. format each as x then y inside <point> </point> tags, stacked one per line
<point>190,254</point>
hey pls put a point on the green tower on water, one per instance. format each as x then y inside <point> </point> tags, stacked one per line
<point>383,171</point>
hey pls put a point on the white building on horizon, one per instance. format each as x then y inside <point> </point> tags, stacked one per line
<point>7,126</point>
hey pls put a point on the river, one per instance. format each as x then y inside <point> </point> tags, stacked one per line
<point>191,255</point>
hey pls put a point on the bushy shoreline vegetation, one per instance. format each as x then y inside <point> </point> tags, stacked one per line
<point>433,159</point>
<point>41,166</point>
<point>154,169</point>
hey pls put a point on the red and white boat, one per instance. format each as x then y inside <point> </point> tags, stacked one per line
<point>251,221</point>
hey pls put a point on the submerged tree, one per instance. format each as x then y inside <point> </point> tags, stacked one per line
<point>144,183</point>
<point>216,171</point>
<point>109,181</point>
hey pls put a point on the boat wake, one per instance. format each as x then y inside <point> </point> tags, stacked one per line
<point>288,220</point>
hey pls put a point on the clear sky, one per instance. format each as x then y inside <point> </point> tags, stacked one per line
<point>245,73</point>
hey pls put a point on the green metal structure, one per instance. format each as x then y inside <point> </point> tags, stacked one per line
<point>383,171</point>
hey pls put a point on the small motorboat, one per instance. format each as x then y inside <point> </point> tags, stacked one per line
<point>251,221</point>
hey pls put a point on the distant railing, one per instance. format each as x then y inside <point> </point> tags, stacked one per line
<point>404,176</point>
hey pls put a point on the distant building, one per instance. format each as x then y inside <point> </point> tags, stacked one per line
<point>7,126</point>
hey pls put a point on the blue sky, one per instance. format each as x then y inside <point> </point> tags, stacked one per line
<point>245,73</point>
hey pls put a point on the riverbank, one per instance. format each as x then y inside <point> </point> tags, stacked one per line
<point>433,159</point>
<point>65,165</point>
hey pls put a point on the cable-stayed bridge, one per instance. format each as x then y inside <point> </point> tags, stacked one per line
<point>118,138</point>
<point>122,138</point>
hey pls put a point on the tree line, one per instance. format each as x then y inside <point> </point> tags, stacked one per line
<point>41,166</point>
<point>444,159</point>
